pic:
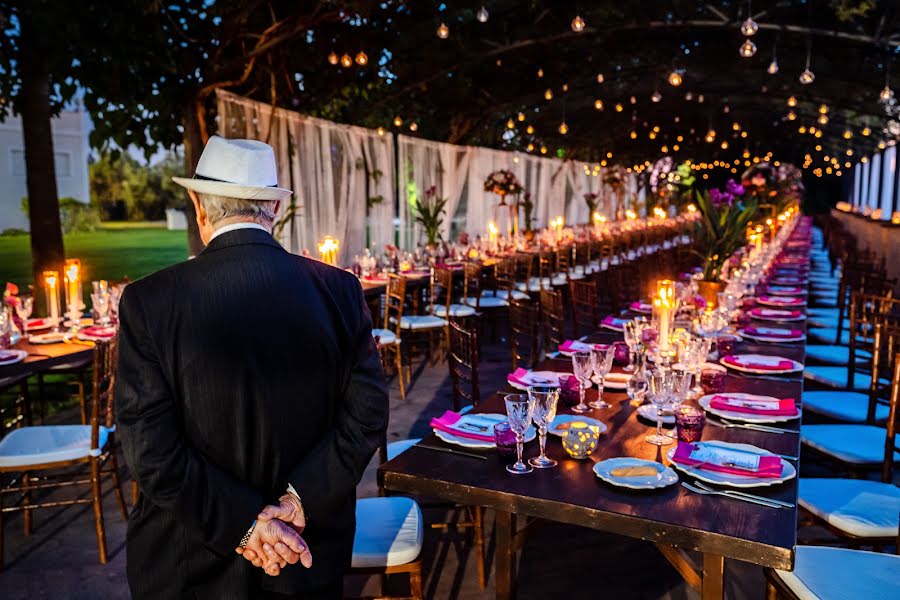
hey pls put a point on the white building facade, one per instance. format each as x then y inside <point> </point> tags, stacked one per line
<point>71,152</point>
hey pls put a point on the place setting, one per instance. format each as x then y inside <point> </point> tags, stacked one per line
<point>761,364</point>
<point>772,334</point>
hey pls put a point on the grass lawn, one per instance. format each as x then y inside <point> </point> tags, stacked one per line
<point>115,251</point>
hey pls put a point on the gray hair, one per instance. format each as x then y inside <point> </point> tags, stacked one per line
<point>219,208</point>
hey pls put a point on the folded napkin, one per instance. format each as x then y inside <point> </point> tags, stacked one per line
<point>783,289</point>
<point>727,460</point>
<point>613,322</point>
<point>7,355</point>
<point>759,362</point>
<point>773,332</point>
<point>453,423</point>
<point>778,314</point>
<point>33,323</point>
<point>100,332</point>
<point>783,300</point>
<point>755,406</point>
<point>524,377</point>
<point>641,307</point>
<point>787,281</point>
<point>577,346</point>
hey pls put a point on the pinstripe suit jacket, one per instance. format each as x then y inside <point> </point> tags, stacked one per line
<point>239,372</point>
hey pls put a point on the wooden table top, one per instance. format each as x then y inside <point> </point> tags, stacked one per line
<point>43,357</point>
<point>571,492</point>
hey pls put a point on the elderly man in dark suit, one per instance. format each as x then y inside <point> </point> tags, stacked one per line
<point>250,399</point>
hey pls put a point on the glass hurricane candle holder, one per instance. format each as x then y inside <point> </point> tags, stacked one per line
<point>689,422</point>
<point>581,439</point>
<point>712,380</point>
<point>568,390</point>
<point>505,438</point>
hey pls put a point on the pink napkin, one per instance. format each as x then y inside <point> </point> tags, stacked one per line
<point>577,346</point>
<point>780,314</point>
<point>100,332</point>
<point>781,365</point>
<point>784,301</point>
<point>786,407</point>
<point>766,332</point>
<point>35,323</point>
<point>769,466</point>
<point>520,376</point>
<point>786,290</point>
<point>6,355</point>
<point>612,321</point>
<point>447,421</point>
<point>641,307</point>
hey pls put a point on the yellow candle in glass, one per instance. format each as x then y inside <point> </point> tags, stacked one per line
<point>51,285</point>
<point>72,273</point>
<point>666,295</point>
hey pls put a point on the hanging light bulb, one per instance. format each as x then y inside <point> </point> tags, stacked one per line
<point>656,97</point>
<point>543,149</point>
<point>548,95</point>
<point>747,49</point>
<point>886,94</point>
<point>443,31</point>
<point>823,119</point>
<point>510,124</point>
<point>848,134</point>
<point>398,121</point>
<point>792,116</point>
<point>540,73</point>
<point>792,102</point>
<point>773,67</point>
<point>688,96</point>
<point>598,104</point>
<point>346,60</point>
<point>362,59</point>
<point>807,77</point>
<point>413,126</point>
<point>823,109</point>
<point>521,116</point>
<point>675,79</point>
<point>633,135</point>
<point>749,27</point>
<point>736,126</point>
<point>578,24</point>
<point>724,145</point>
<point>380,131</point>
<point>530,147</point>
<point>866,131</point>
<point>710,136</point>
<point>563,128</point>
<point>600,78</point>
<point>333,58</point>
<point>482,15</point>
<point>529,130</point>
<point>700,98</point>
<point>619,107</point>
<point>565,87</point>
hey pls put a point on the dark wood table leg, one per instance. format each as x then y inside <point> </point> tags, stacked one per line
<point>713,577</point>
<point>505,576</point>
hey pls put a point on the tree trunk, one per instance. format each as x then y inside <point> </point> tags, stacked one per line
<point>193,147</point>
<point>47,252</point>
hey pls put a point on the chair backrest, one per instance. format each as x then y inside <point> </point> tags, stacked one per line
<point>523,333</point>
<point>553,317</point>
<point>524,267</point>
<point>886,363</point>
<point>103,383</point>
<point>442,287</point>
<point>545,269</point>
<point>505,276</point>
<point>585,306</point>
<point>866,310</point>
<point>564,260</point>
<point>463,363</point>
<point>394,298</point>
<point>472,284</point>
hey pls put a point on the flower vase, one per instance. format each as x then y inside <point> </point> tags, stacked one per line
<point>709,290</point>
<point>502,198</point>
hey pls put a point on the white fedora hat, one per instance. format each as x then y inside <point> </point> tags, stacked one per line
<point>236,169</point>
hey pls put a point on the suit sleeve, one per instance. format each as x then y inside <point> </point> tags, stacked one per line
<point>209,502</point>
<point>328,474</point>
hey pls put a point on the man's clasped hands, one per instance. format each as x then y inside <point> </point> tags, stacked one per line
<point>275,541</point>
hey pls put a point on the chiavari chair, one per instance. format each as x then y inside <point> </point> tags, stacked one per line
<point>523,333</point>
<point>565,272</point>
<point>505,281</point>
<point>553,318</point>
<point>444,306</point>
<point>48,449</point>
<point>463,363</point>
<point>388,336</point>
<point>585,306</point>
<point>416,327</point>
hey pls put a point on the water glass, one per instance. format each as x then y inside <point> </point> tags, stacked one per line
<point>505,439</point>
<point>661,391</point>
<point>689,422</point>
<point>24,308</point>
<point>543,400</point>
<point>101,307</point>
<point>519,410</point>
<point>601,361</point>
<point>583,368</point>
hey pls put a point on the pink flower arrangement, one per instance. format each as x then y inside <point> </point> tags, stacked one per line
<point>11,294</point>
<point>502,182</point>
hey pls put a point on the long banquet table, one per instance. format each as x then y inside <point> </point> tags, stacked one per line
<point>673,517</point>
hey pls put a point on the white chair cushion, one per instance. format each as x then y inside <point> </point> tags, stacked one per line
<point>394,449</point>
<point>835,355</point>
<point>573,275</point>
<point>855,444</point>
<point>456,310</point>
<point>486,302</point>
<point>48,443</point>
<point>559,279</point>
<point>385,337</point>
<point>505,294</point>
<point>836,377</point>
<point>843,405</point>
<point>388,532</point>
<point>842,574</point>
<point>829,334</point>
<point>858,507</point>
<point>422,322</point>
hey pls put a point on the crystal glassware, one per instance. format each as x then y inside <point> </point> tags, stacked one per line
<point>5,328</point>
<point>712,381</point>
<point>505,439</point>
<point>518,410</point>
<point>581,365</point>
<point>568,390</point>
<point>689,422</point>
<point>601,360</point>
<point>101,307</point>
<point>637,384</point>
<point>24,308</point>
<point>543,401</point>
<point>661,390</point>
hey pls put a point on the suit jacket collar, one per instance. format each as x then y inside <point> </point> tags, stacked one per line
<point>241,237</point>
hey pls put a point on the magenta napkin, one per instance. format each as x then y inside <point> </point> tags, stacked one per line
<point>767,332</point>
<point>577,346</point>
<point>6,355</point>
<point>613,322</point>
<point>642,307</point>
<point>781,365</point>
<point>775,408</point>
<point>777,314</point>
<point>99,332</point>
<point>447,421</point>
<point>780,300</point>
<point>769,465</point>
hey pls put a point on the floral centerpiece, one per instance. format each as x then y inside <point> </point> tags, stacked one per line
<point>614,177</point>
<point>725,215</point>
<point>590,199</point>
<point>527,205</point>
<point>429,214</point>
<point>502,183</point>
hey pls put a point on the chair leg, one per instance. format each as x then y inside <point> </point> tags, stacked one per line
<point>399,364</point>
<point>415,581</point>
<point>771,591</point>
<point>41,396</point>
<point>98,509</point>
<point>479,545</point>
<point>26,501</point>
<point>120,498</point>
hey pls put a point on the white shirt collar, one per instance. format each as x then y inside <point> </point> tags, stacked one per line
<point>235,227</point>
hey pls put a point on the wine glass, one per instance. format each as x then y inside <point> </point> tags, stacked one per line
<point>637,384</point>
<point>601,361</point>
<point>101,307</point>
<point>681,387</point>
<point>24,308</point>
<point>519,409</point>
<point>661,384</point>
<point>581,365</point>
<point>543,400</point>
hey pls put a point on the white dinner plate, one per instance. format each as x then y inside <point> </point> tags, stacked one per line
<point>614,381</point>
<point>665,475</point>
<point>741,416</point>
<point>781,302</point>
<point>49,338</point>
<point>777,315</point>
<point>547,377</point>
<point>458,440</point>
<point>796,367</point>
<point>648,411</point>
<point>554,429</point>
<point>12,356</point>
<point>766,338</point>
<point>740,481</point>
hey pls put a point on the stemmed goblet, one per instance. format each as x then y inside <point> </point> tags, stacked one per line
<point>681,387</point>
<point>582,367</point>
<point>601,360</point>
<point>661,384</point>
<point>24,307</point>
<point>543,401</point>
<point>519,411</point>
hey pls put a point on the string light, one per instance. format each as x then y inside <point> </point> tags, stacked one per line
<point>333,58</point>
<point>886,94</point>
<point>656,97</point>
<point>675,79</point>
<point>530,147</point>
<point>346,60</point>
<point>633,135</point>
<point>710,136</point>
<point>578,24</point>
<point>380,131</point>
<point>619,107</point>
<point>362,59</point>
<point>749,27</point>
<point>521,116</point>
<point>598,104</point>
<point>543,149</point>
<point>482,15</point>
<point>540,73</point>
<point>807,77</point>
<point>413,126</point>
<point>548,95</point>
<point>724,145</point>
<point>600,78</point>
<point>823,109</point>
<point>823,119</point>
<point>773,67</point>
<point>747,49</point>
<point>443,31</point>
<point>792,102</point>
<point>529,130</point>
<point>510,124</point>
<point>563,128</point>
<point>398,121</point>
<point>792,116</point>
